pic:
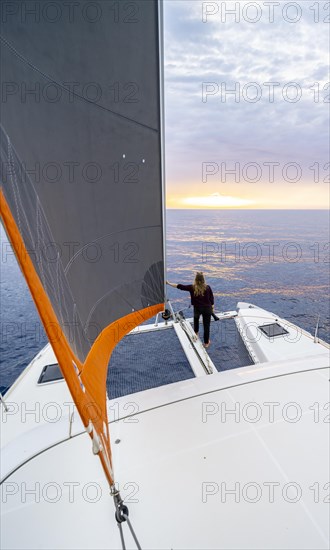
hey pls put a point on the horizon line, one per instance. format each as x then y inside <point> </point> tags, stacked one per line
<point>269,208</point>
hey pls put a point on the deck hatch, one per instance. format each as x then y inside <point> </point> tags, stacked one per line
<point>272,330</point>
<point>50,373</point>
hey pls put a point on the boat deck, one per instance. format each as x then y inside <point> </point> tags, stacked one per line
<point>193,440</point>
<point>147,360</point>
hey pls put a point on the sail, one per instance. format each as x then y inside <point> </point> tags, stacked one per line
<point>81,176</point>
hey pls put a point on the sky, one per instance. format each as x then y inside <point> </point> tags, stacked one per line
<point>266,144</point>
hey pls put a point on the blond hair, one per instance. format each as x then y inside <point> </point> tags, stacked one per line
<point>199,284</point>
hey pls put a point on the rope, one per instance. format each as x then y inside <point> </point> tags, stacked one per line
<point>3,402</point>
<point>121,516</point>
<point>133,533</point>
<point>121,536</point>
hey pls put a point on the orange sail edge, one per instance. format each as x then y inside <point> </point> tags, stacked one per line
<point>86,381</point>
<point>93,377</point>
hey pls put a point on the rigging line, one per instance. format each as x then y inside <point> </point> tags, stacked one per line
<point>121,536</point>
<point>121,515</point>
<point>68,265</point>
<point>115,289</point>
<point>132,532</point>
<point>46,230</point>
<point>3,402</point>
<point>13,181</point>
<point>153,289</point>
<point>82,98</point>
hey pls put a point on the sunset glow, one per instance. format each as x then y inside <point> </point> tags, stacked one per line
<point>216,201</point>
<point>246,125</point>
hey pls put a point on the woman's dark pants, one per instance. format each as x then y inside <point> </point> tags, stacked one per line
<point>206,312</point>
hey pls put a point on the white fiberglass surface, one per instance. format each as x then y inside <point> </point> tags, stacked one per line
<point>244,467</point>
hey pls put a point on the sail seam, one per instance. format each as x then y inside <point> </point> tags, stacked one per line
<point>82,98</point>
<point>67,267</point>
<point>101,300</point>
<point>42,227</point>
<point>14,184</point>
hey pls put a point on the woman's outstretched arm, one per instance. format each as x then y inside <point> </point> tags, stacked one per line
<point>171,284</point>
<point>188,288</point>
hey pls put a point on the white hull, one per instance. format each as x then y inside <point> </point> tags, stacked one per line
<point>235,459</point>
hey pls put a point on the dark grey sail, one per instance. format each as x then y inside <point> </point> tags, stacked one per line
<point>80,151</point>
<point>81,175</point>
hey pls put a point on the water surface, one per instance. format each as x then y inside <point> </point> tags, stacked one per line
<point>278,260</point>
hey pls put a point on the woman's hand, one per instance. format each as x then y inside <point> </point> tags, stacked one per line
<point>171,284</point>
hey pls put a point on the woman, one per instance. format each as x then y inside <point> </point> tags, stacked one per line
<point>203,302</point>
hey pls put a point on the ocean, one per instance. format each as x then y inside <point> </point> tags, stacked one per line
<point>275,259</point>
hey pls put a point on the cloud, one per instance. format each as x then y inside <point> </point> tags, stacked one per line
<point>230,55</point>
